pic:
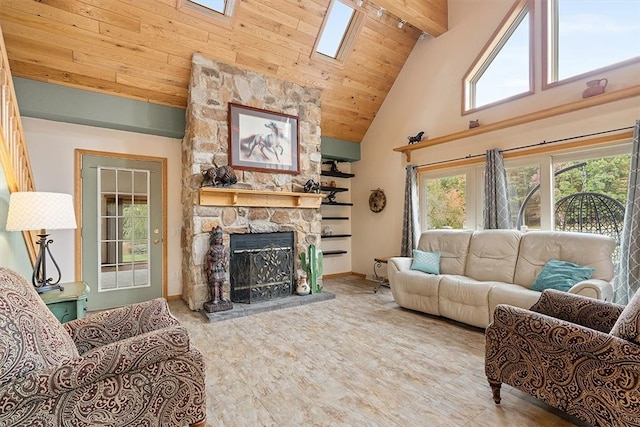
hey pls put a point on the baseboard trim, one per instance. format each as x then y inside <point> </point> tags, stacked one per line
<point>345,274</point>
<point>171,298</point>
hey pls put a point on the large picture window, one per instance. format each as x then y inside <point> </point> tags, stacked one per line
<point>580,191</point>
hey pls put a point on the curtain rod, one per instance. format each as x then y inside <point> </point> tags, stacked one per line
<point>473,156</point>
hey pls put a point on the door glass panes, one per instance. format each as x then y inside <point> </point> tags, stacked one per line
<point>123,229</point>
<point>446,202</point>
<point>524,195</point>
<point>335,29</point>
<point>592,34</point>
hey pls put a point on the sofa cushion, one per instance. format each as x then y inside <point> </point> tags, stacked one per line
<point>427,262</point>
<point>415,290</point>
<point>628,324</point>
<point>465,300</point>
<point>493,255</point>
<point>510,294</point>
<point>561,275</point>
<point>453,246</point>
<point>32,338</point>
<point>538,247</point>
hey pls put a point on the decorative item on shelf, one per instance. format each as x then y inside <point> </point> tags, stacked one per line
<point>222,176</point>
<point>416,138</point>
<point>327,231</point>
<point>474,123</point>
<point>303,287</point>
<point>334,166</point>
<point>32,210</point>
<point>595,87</point>
<point>311,186</point>
<point>331,197</point>
<point>216,269</point>
<point>311,263</point>
<point>377,200</point>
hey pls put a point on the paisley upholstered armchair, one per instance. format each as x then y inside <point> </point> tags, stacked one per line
<point>132,366</point>
<point>577,354</point>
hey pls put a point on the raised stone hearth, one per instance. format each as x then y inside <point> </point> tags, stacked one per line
<point>241,310</point>
<point>213,86</point>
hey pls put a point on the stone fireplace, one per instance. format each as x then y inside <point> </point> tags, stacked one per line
<point>213,86</point>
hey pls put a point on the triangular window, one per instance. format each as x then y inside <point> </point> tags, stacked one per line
<point>503,70</point>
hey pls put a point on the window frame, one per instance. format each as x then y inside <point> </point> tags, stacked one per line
<point>491,49</point>
<point>473,187</point>
<point>549,65</point>
<point>475,179</point>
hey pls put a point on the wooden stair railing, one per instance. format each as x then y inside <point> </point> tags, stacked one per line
<point>14,158</point>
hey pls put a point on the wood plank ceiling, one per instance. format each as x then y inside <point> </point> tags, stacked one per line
<point>142,48</point>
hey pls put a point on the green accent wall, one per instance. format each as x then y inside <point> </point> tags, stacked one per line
<point>65,104</point>
<point>339,149</point>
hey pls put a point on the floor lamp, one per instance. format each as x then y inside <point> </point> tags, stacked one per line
<point>33,210</point>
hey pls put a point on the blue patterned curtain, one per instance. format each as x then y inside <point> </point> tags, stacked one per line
<point>628,276</point>
<point>496,193</point>
<point>410,224</point>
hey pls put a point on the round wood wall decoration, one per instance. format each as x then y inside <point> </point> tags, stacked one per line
<point>377,200</point>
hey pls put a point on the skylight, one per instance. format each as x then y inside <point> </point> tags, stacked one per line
<point>217,5</point>
<point>335,29</point>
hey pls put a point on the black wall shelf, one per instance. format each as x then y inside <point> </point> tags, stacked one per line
<point>334,189</point>
<point>327,253</point>
<point>337,174</point>
<point>331,190</point>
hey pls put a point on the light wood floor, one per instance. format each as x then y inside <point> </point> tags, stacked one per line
<point>356,360</point>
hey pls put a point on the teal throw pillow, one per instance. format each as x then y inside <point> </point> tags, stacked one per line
<point>428,262</point>
<point>561,275</point>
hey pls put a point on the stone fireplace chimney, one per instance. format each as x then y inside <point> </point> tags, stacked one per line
<point>206,142</point>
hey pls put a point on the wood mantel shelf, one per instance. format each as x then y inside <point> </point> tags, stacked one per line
<point>213,196</point>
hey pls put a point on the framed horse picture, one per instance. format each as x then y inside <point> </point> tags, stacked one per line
<point>264,141</point>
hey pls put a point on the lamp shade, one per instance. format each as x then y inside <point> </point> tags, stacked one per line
<point>33,210</point>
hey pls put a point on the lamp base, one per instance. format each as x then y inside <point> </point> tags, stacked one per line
<point>43,289</point>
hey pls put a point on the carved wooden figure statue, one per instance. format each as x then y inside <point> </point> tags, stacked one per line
<point>216,268</point>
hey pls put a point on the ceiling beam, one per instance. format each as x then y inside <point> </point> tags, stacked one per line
<point>430,16</point>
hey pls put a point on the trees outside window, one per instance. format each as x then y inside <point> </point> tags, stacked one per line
<point>453,200</point>
<point>446,202</point>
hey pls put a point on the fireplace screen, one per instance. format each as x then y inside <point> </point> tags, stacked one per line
<point>261,273</point>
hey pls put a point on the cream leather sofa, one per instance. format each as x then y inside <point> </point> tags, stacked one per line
<point>481,269</point>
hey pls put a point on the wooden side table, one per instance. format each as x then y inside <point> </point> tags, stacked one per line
<point>382,281</point>
<point>68,304</point>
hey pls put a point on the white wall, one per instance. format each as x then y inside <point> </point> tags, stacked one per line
<point>427,96</point>
<point>51,148</point>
